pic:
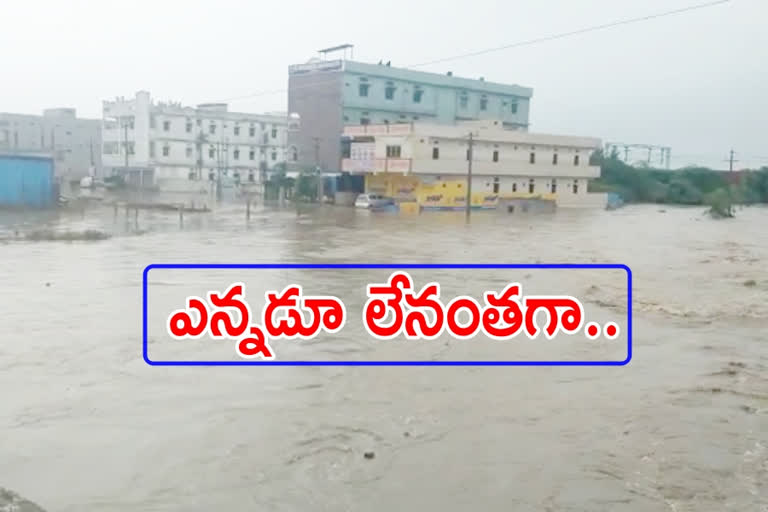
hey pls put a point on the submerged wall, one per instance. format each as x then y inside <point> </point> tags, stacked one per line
<point>438,194</point>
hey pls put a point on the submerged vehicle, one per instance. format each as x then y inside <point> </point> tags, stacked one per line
<point>373,201</point>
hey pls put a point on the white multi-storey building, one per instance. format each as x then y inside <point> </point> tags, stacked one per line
<point>177,148</point>
<point>428,163</point>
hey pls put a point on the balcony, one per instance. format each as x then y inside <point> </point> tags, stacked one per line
<point>376,165</point>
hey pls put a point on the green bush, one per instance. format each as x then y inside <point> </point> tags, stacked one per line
<point>720,203</point>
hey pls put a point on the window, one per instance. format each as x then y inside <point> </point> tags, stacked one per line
<point>294,154</point>
<point>483,102</point>
<point>346,119</point>
<point>514,187</point>
<point>435,153</point>
<point>237,130</point>
<point>513,107</point>
<point>393,151</point>
<point>418,93</point>
<point>363,89</point>
<point>575,159</point>
<point>110,148</point>
<point>211,152</point>
<point>188,152</point>
<point>575,186</point>
<point>212,129</point>
<point>236,154</point>
<point>199,122</point>
<point>252,131</point>
<point>364,120</point>
<point>152,149</point>
<point>496,185</point>
<point>274,133</point>
<point>274,155</point>
<point>531,186</point>
<point>166,126</point>
<point>554,159</point>
<point>554,186</point>
<point>532,158</point>
<point>463,100</point>
<point>166,150</point>
<point>496,156</point>
<point>151,121</point>
<point>251,155</point>
<point>389,91</point>
<point>189,126</point>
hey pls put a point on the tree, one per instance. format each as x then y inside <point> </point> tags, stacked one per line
<point>720,204</point>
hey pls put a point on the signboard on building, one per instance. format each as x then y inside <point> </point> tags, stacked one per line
<point>398,165</point>
<point>324,65</point>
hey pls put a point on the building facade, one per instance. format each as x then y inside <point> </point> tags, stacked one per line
<point>329,95</point>
<point>72,142</point>
<point>177,148</point>
<point>428,164</point>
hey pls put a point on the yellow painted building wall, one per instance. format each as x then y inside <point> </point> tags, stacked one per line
<point>437,193</point>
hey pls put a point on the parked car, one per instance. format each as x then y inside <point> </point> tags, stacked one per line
<point>372,201</point>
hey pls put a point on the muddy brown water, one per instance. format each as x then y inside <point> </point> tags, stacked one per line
<point>87,425</point>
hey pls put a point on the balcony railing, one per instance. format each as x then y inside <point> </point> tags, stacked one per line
<point>376,165</point>
<point>378,129</point>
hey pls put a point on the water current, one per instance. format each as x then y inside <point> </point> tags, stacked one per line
<point>87,425</point>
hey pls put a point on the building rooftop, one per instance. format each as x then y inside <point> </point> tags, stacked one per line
<point>445,80</point>
<point>405,74</point>
<point>483,131</point>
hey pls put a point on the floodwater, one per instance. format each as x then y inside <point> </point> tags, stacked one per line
<point>87,425</point>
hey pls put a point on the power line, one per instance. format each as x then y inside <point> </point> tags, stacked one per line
<point>513,45</point>
<point>575,32</point>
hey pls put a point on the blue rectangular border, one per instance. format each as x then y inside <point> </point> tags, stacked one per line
<point>387,266</point>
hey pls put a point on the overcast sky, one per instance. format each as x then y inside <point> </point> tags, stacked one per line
<point>696,81</point>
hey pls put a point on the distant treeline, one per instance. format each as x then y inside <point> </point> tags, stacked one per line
<point>687,186</point>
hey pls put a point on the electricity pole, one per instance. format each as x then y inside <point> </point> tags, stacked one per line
<point>317,169</point>
<point>468,204</point>
<point>125,139</point>
<point>730,181</point>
